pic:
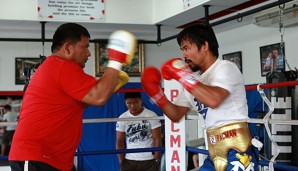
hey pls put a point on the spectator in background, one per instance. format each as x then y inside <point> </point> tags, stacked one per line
<point>15,105</point>
<point>9,116</point>
<point>138,134</point>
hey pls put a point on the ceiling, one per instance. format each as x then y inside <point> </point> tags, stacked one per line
<point>217,10</point>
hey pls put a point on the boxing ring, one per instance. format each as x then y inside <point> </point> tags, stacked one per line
<point>179,152</point>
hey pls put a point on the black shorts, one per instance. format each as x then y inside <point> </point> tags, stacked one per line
<point>146,165</point>
<point>33,166</point>
<point>7,137</point>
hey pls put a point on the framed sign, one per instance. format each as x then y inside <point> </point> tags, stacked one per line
<point>272,58</point>
<point>101,60</point>
<point>234,57</point>
<point>68,10</point>
<point>22,65</point>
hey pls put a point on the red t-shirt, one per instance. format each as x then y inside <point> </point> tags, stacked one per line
<point>50,125</point>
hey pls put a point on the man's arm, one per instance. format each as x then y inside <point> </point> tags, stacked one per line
<point>120,145</point>
<point>103,88</point>
<point>195,160</point>
<point>157,141</point>
<point>121,50</point>
<point>151,80</point>
<point>210,95</point>
<point>174,112</point>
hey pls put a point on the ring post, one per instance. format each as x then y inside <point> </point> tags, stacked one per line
<point>175,150</point>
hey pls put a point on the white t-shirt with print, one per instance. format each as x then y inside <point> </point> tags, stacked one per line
<point>224,74</point>
<point>10,117</point>
<point>138,134</point>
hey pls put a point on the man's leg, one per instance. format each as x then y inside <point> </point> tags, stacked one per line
<point>3,149</point>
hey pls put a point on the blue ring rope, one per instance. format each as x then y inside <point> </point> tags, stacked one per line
<point>188,148</point>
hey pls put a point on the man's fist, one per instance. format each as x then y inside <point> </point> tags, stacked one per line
<point>174,69</point>
<point>151,80</point>
<point>121,48</point>
<point>177,69</point>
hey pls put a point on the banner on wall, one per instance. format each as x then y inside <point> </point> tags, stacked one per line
<point>83,10</point>
<point>192,3</point>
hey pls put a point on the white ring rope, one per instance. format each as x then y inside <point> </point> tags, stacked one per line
<point>266,123</point>
<point>189,117</point>
<point>274,121</point>
<point>100,120</point>
<point>122,119</point>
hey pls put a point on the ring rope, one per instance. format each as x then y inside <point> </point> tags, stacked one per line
<point>122,90</point>
<point>273,85</point>
<point>104,152</point>
<point>189,117</point>
<point>100,120</point>
<point>188,148</point>
<point>266,124</point>
<point>274,121</point>
<point>122,119</point>
<point>3,157</point>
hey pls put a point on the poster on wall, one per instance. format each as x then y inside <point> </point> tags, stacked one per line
<point>234,57</point>
<point>83,10</point>
<point>272,58</point>
<point>134,69</point>
<point>22,67</point>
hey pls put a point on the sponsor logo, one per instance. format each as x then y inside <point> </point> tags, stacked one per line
<point>212,139</point>
<point>245,163</point>
<point>226,135</point>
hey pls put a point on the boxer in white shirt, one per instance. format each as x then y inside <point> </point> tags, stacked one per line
<point>216,92</point>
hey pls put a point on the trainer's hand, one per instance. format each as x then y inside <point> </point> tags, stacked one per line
<point>151,80</point>
<point>122,79</point>
<point>177,69</point>
<point>121,48</point>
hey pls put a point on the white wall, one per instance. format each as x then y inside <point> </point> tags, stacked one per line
<point>246,39</point>
<point>148,12</point>
<point>10,50</point>
<point>157,55</point>
<point>249,39</point>
<point>173,7</point>
<point>28,11</point>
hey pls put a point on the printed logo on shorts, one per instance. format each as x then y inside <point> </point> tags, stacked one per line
<point>212,139</point>
<point>244,164</point>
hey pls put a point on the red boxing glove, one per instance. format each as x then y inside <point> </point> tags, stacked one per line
<point>177,69</point>
<point>151,80</point>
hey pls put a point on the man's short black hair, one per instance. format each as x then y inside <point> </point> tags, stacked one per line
<point>71,32</point>
<point>200,34</point>
<point>7,107</point>
<point>132,95</point>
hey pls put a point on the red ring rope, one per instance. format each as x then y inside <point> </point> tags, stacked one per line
<point>249,87</point>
